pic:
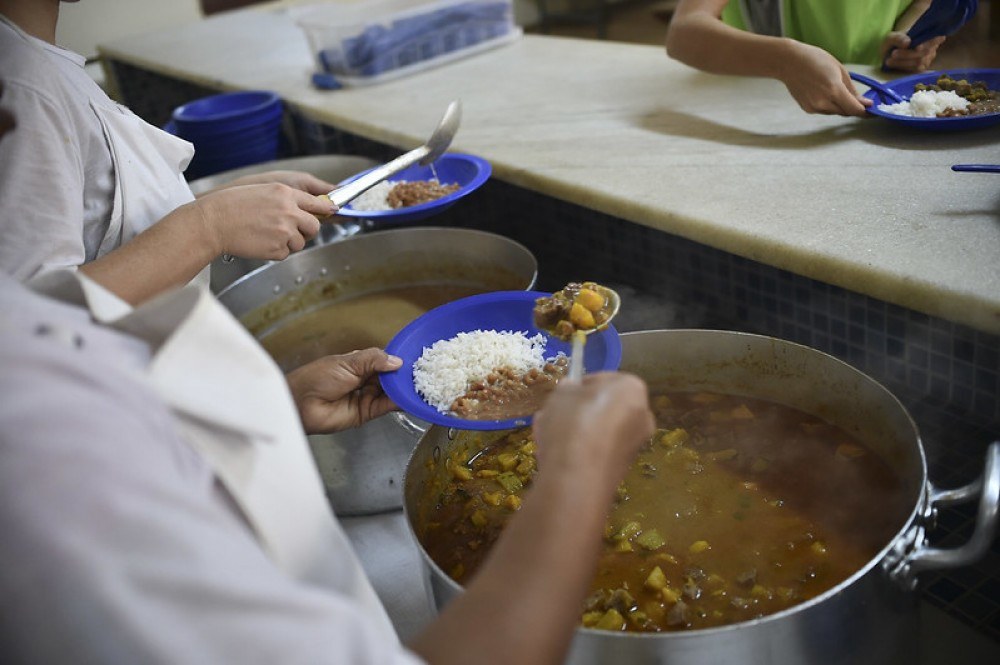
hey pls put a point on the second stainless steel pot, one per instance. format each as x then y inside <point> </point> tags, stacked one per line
<point>363,468</point>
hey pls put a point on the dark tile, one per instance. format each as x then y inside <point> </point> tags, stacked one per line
<point>988,354</point>
<point>976,607</point>
<point>946,590</point>
<point>951,519</point>
<point>964,349</point>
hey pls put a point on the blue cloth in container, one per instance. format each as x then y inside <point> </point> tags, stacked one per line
<point>413,39</point>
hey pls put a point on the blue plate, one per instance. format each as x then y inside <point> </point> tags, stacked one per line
<point>468,171</point>
<point>507,311</point>
<point>904,87</point>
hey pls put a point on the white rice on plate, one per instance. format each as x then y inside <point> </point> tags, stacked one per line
<point>376,198</point>
<point>927,104</point>
<point>445,369</point>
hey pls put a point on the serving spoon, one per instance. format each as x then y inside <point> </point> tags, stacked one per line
<point>612,303</point>
<point>575,373</point>
<point>424,155</point>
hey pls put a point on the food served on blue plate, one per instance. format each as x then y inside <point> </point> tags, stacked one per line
<point>420,191</point>
<point>402,194</point>
<point>487,374</point>
<point>482,363</point>
<point>947,98</point>
<point>943,101</point>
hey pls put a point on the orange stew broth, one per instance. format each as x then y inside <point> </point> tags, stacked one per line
<point>737,508</point>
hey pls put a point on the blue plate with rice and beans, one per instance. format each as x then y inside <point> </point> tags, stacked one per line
<point>467,172</point>
<point>905,87</point>
<point>445,346</point>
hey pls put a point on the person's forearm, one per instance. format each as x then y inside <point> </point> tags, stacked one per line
<point>168,254</point>
<point>704,42</point>
<point>525,602</point>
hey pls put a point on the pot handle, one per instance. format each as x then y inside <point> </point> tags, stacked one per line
<point>919,556</point>
<point>410,424</point>
<point>331,232</point>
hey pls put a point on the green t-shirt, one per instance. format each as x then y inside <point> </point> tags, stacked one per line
<point>850,30</point>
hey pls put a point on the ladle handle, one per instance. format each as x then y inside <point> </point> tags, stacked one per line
<point>352,190</point>
<point>575,374</point>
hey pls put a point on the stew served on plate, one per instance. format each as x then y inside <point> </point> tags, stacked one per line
<point>981,98</point>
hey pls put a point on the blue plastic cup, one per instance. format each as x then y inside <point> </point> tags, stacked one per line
<point>229,130</point>
<point>235,141</point>
<point>228,111</point>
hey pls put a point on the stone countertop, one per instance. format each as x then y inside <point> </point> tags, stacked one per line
<point>867,205</point>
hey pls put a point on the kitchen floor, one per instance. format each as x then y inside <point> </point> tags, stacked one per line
<point>976,44</point>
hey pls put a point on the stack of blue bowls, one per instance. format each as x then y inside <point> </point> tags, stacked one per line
<point>230,130</point>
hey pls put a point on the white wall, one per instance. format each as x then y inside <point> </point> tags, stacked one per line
<point>85,24</point>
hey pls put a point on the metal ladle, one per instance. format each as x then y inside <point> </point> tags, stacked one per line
<point>425,154</point>
<point>575,372</point>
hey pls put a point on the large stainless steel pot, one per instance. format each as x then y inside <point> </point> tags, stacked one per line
<point>363,468</point>
<point>870,617</point>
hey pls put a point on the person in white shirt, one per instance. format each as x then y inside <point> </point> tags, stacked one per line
<point>159,503</point>
<point>87,183</point>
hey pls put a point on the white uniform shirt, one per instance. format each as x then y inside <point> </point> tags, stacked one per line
<point>122,542</point>
<point>69,159</point>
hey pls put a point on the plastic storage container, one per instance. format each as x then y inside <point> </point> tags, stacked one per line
<point>362,42</point>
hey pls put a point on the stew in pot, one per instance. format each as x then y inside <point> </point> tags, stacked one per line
<point>737,508</point>
<point>356,322</point>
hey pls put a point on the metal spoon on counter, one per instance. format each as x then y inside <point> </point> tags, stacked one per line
<point>424,155</point>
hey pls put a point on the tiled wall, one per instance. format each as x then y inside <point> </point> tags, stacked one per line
<point>946,374</point>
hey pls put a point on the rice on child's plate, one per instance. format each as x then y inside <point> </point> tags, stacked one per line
<point>445,369</point>
<point>928,104</point>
